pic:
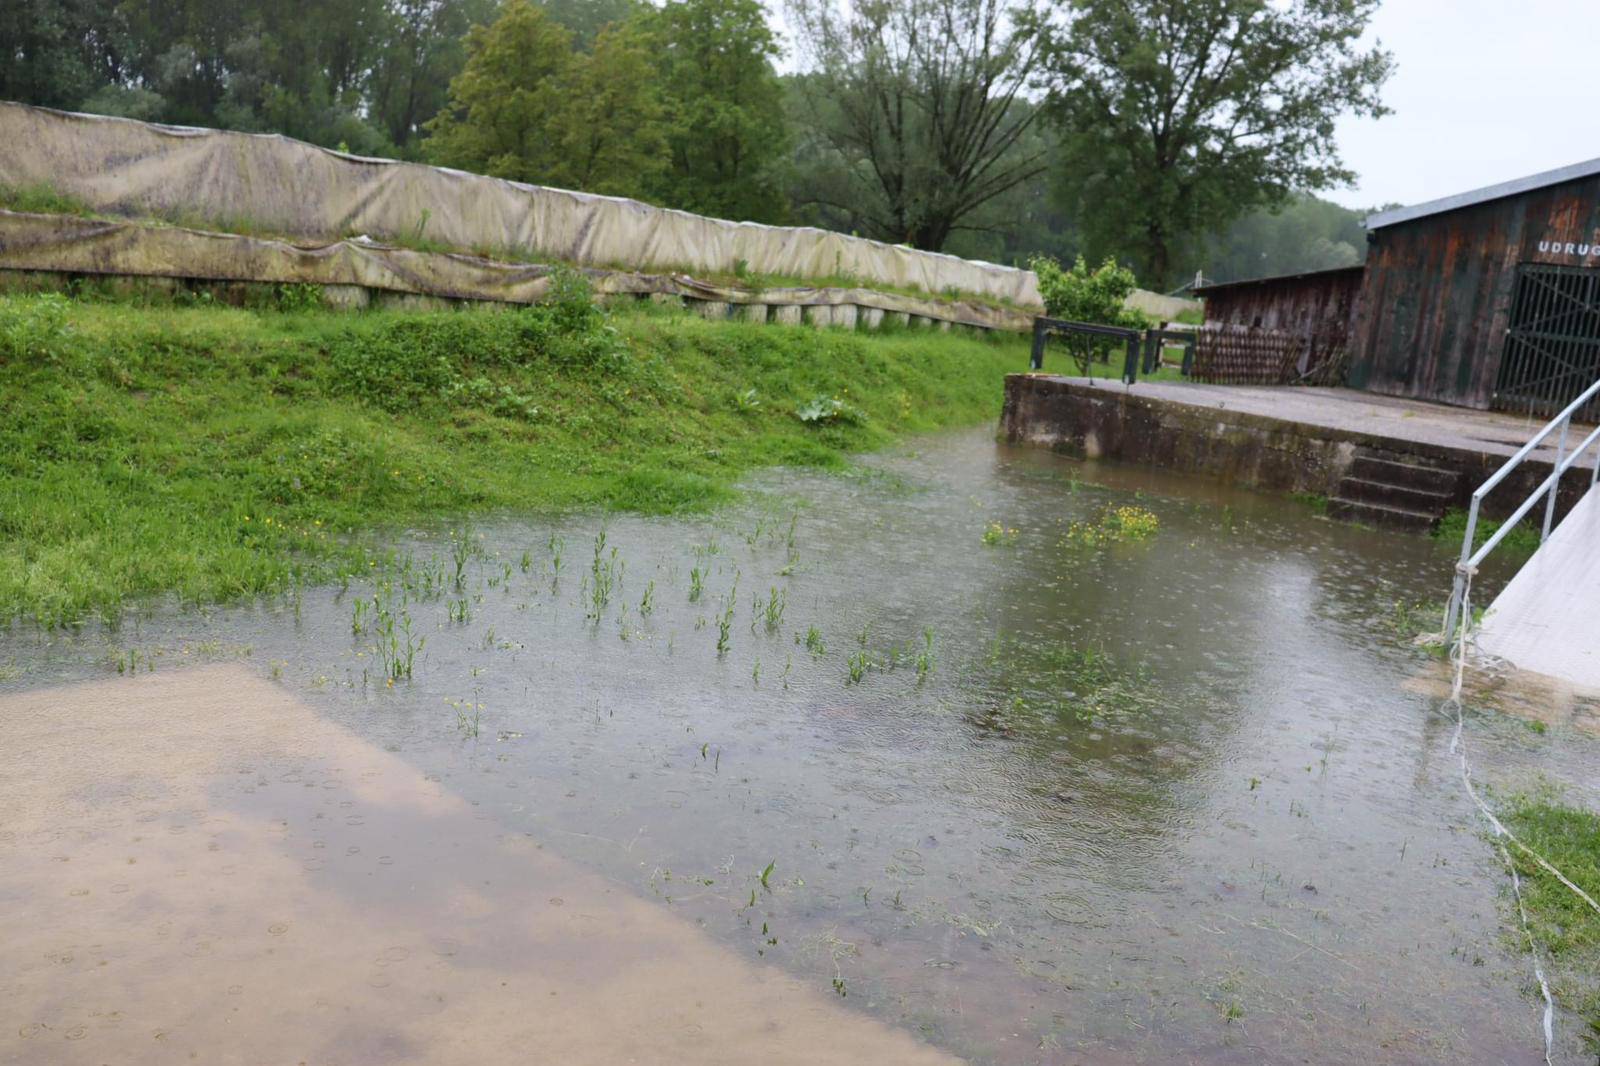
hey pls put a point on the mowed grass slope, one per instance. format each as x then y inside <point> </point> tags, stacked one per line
<point>217,452</point>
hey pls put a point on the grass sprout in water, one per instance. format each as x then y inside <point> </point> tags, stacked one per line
<point>1049,682</point>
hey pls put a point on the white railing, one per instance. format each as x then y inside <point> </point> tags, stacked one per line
<point>1565,460</point>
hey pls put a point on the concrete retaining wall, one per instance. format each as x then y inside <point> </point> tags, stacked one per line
<point>1109,421</point>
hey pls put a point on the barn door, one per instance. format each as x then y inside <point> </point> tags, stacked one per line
<point>1552,348</point>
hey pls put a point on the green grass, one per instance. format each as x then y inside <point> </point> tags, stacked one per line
<point>1563,925</point>
<point>42,200</point>
<point>218,452</point>
<point>1520,543</point>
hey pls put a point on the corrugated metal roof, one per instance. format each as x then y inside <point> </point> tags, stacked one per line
<point>1215,285</point>
<point>1485,194</point>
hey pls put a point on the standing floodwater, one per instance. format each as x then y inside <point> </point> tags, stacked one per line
<point>1038,761</point>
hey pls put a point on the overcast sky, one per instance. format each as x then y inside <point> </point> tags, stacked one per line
<point>1486,90</point>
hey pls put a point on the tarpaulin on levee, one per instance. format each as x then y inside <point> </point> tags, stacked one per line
<point>69,245</point>
<point>277,184</point>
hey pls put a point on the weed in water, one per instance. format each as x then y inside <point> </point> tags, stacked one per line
<point>813,642</point>
<point>1126,523</point>
<point>697,583</point>
<point>770,610</point>
<point>526,562</point>
<point>724,624</point>
<point>557,545</point>
<point>764,875</point>
<point>925,658</point>
<point>996,535</point>
<point>755,672</point>
<point>647,604</point>
<point>857,665</point>
<point>460,552</point>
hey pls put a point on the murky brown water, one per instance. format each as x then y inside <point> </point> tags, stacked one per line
<point>1187,799</point>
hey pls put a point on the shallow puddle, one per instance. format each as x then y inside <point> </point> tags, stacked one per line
<point>960,766</point>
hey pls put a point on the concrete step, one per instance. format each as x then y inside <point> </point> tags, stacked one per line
<point>1391,494</point>
<point>1380,515</point>
<point>1416,475</point>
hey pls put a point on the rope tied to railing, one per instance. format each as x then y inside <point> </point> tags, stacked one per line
<point>1502,834</point>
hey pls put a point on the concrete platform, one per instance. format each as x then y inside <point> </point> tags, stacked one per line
<point>1323,441</point>
<point>1364,413</point>
<point>1547,620</point>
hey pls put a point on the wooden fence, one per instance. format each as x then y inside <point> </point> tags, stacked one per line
<point>1250,355</point>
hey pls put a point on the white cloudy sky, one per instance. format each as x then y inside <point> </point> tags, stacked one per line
<point>1486,90</point>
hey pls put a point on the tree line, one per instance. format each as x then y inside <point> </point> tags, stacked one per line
<point>1173,135</point>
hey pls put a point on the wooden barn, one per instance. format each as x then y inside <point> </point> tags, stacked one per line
<point>1293,328</point>
<point>1488,298</point>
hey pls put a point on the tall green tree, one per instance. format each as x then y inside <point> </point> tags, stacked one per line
<point>499,117</point>
<point>526,106</point>
<point>423,48</point>
<point>612,137</point>
<point>59,52</point>
<point>1178,116</point>
<point>918,114</point>
<point>727,136</point>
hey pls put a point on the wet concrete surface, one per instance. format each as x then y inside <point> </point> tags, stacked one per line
<point>1182,799</point>
<point>224,876</point>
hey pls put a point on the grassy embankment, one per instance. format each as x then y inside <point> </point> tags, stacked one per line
<point>216,452</point>
<point>1564,926</point>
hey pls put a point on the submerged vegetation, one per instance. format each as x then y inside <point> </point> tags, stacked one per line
<point>216,452</point>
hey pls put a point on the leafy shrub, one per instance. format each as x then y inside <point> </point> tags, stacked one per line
<point>33,327</point>
<point>298,297</point>
<point>1094,296</point>
<point>827,410</point>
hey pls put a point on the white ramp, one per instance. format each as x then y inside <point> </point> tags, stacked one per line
<point>1548,618</point>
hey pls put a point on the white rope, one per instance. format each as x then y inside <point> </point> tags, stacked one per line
<point>1533,949</point>
<point>1502,834</point>
<point>1459,750</point>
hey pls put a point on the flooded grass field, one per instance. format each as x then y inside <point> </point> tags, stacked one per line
<point>979,752</point>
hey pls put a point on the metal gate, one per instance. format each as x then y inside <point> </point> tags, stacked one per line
<point>1552,348</point>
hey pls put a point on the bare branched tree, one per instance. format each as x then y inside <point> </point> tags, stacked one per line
<point>919,105</point>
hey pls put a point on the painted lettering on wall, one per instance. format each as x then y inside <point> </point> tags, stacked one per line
<point>1581,248</point>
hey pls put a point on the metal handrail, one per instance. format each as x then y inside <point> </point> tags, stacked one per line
<point>1548,488</point>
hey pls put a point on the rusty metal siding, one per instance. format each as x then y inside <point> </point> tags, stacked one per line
<point>1320,303</point>
<point>1432,318</point>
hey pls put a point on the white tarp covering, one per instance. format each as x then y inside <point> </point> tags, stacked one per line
<point>64,244</point>
<point>271,183</point>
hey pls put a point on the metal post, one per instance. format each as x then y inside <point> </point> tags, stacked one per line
<point>1037,362</point>
<point>1453,611</point>
<point>1130,367</point>
<point>1555,486</point>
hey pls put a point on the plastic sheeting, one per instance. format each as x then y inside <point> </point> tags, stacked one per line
<point>286,186</point>
<point>69,245</point>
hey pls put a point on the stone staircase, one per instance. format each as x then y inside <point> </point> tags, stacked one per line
<point>1392,491</point>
